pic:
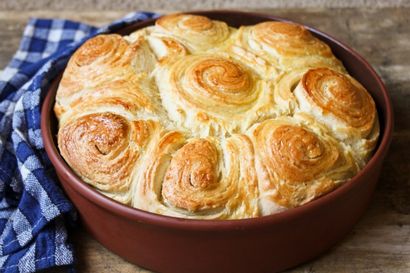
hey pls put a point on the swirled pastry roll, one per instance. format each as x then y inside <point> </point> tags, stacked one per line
<point>283,45</point>
<point>196,32</point>
<point>343,104</point>
<point>213,95</point>
<point>104,148</point>
<point>199,178</point>
<point>123,96</point>
<point>193,118</point>
<point>103,60</point>
<point>297,160</point>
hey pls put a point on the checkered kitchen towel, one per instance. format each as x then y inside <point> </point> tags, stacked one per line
<point>33,210</point>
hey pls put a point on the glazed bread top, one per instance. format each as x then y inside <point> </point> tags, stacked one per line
<point>193,118</point>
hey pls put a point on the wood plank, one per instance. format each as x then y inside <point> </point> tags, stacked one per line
<point>107,5</point>
<point>380,242</point>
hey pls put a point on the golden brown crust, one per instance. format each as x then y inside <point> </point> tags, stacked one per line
<point>104,147</point>
<point>284,46</point>
<point>107,48</point>
<point>213,94</point>
<point>286,83</point>
<point>192,169</point>
<point>341,95</point>
<point>289,39</point>
<point>108,64</point>
<point>297,164</point>
<point>344,105</point>
<point>195,119</point>
<point>102,50</point>
<point>220,80</point>
<point>195,31</point>
<point>173,48</point>
<point>201,178</point>
<point>299,155</point>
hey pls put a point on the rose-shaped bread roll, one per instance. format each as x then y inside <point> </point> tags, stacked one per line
<point>343,104</point>
<point>297,160</point>
<point>283,45</point>
<point>193,31</point>
<point>198,178</point>
<point>104,149</point>
<point>213,95</point>
<point>102,60</point>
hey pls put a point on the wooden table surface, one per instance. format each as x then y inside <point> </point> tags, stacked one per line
<point>380,242</point>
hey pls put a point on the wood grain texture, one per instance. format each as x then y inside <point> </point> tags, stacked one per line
<point>380,242</point>
<point>107,5</point>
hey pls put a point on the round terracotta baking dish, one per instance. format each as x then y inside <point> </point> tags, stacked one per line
<point>266,244</point>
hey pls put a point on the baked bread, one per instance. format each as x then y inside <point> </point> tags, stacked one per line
<point>193,118</point>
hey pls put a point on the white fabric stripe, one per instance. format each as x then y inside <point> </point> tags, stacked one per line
<point>5,214</point>
<point>79,34</point>
<point>6,230</point>
<point>22,228</point>
<point>21,55</point>
<point>48,209</point>
<point>18,106</point>
<point>54,35</point>
<point>27,262</point>
<point>62,254</point>
<point>28,31</point>
<point>3,259</point>
<point>8,73</point>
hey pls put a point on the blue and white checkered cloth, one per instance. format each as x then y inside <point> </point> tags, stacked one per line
<point>33,209</point>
